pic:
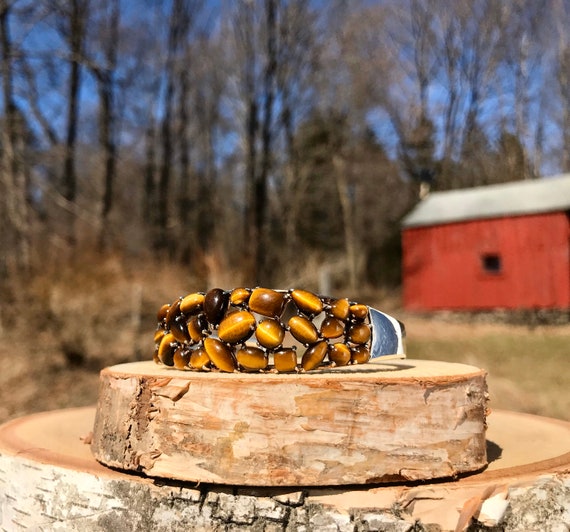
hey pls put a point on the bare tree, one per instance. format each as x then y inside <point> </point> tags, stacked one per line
<point>210,208</point>
<point>177,35</point>
<point>242,132</point>
<point>564,87</point>
<point>267,141</point>
<point>244,25</point>
<point>561,15</point>
<point>298,65</point>
<point>104,71</point>
<point>73,29</point>
<point>14,218</point>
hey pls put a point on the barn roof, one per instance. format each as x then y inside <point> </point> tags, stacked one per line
<point>547,194</point>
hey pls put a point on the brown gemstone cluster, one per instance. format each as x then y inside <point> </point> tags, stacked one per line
<point>244,330</point>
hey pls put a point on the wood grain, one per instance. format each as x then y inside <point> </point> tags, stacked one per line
<point>406,420</point>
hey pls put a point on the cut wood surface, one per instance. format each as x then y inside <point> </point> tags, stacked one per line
<point>397,421</point>
<point>49,480</point>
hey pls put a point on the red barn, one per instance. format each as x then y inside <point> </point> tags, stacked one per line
<point>498,246</point>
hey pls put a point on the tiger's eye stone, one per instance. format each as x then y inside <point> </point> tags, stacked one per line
<point>215,305</point>
<point>161,314</point>
<point>236,327</point>
<point>179,329</point>
<point>314,356</point>
<point>359,311</point>
<point>285,360</point>
<point>196,327</point>
<point>166,349</point>
<point>172,312</point>
<point>270,333</point>
<point>220,354</point>
<point>359,354</point>
<point>158,334</point>
<point>199,359</point>
<point>332,327</point>
<point>339,354</point>
<point>303,330</point>
<point>181,358</point>
<point>192,303</point>
<point>340,309</point>
<point>252,358</point>
<point>239,296</point>
<point>266,302</point>
<point>307,302</point>
<point>359,333</point>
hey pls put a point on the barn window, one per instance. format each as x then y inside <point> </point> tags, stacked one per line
<point>491,263</point>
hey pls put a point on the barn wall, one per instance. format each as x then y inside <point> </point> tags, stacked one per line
<point>443,266</point>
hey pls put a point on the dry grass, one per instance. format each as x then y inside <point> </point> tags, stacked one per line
<point>73,322</point>
<point>528,369</point>
<point>76,320</point>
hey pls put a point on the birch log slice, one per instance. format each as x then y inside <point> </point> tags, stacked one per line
<point>50,481</point>
<point>404,420</point>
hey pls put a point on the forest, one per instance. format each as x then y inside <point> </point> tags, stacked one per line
<point>263,141</point>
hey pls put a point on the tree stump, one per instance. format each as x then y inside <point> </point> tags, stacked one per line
<point>50,481</point>
<point>399,421</point>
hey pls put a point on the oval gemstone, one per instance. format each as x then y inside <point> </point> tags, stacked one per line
<point>252,358</point>
<point>359,311</point>
<point>285,360</point>
<point>181,358</point>
<point>359,354</point>
<point>196,327</point>
<point>307,302</point>
<point>270,333</point>
<point>179,329</point>
<point>359,333</point>
<point>192,303</point>
<point>236,327</point>
<point>266,302</point>
<point>161,314</point>
<point>215,304</point>
<point>340,309</point>
<point>172,313</point>
<point>158,334</point>
<point>303,330</point>
<point>339,354</point>
<point>166,349</point>
<point>314,356</point>
<point>239,296</point>
<point>199,359</point>
<point>332,327</point>
<point>220,354</point>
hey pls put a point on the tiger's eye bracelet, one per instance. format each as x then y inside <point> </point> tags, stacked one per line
<point>244,330</point>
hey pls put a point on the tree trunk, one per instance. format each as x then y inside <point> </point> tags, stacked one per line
<point>107,119</point>
<point>164,239</point>
<point>245,25</point>
<point>348,218</point>
<point>14,218</point>
<point>564,87</point>
<point>148,218</point>
<point>77,21</point>
<point>184,199</point>
<point>260,190</point>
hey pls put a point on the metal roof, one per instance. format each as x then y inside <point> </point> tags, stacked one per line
<point>547,194</point>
